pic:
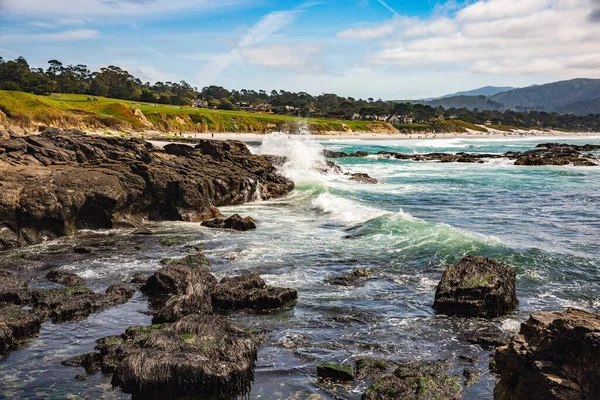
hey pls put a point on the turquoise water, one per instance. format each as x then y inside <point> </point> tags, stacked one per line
<point>545,221</point>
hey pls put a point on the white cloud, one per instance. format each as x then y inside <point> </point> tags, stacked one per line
<point>557,38</point>
<point>296,57</point>
<point>40,24</point>
<point>368,33</point>
<point>62,36</point>
<point>104,8</point>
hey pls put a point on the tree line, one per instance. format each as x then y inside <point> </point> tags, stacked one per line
<point>114,82</point>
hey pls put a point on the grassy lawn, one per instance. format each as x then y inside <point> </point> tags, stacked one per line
<point>65,109</point>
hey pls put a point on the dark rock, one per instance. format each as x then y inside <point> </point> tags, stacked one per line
<point>234,222</point>
<point>77,302</point>
<point>142,230</point>
<point>372,367</point>
<point>477,286</point>
<point>363,178</point>
<point>82,250</point>
<point>472,377</point>
<point>356,277</point>
<point>197,300</point>
<point>179,149</point>
<point>139,278</point>
<point>17,325</point>
<point>13,288</point>
<point>65,278</point>
<point>201,356</point>
<point>58,182</point>
<point>328,168</point>
<point>416,380</point>
<point>335,372</point>
<point>176,279</point>
<point>173,241</point>
<point>191,261</point>
<point>92,362</point>
<point>250,292</point>
<point>556,355</point>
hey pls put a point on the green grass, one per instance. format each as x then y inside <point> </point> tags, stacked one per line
<point>503,128</point>
<point>72,110</point>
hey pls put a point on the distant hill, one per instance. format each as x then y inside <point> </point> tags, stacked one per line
<point>577,96</point>
<point>484,91</point>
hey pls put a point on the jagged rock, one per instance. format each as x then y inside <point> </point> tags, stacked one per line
<point>363,178</point>
<point>173,241</point>
<point>472,377</point>
<point>176,279</point>
<point>17,325</point>
<point>356,277</point>
<point>65,278</point>
<point>58,182</point>
<point>77,302</point>
<point>139,278</point>
<point>191,261</point>
<point>179,149</point>
<point>92,362</point>
<point>200,356</point>
<point>335,372</point>
<point>416,381</point>
<point>13,288</point>
<point>328,168</point>
<point>82,250</point>
<point>556,355</point>
<point>477,286</point>
<point>234,222</point>
<point>250,292</point>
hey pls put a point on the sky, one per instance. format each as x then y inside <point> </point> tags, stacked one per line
<point>388,49</point>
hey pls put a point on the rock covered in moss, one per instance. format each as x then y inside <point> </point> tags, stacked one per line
<point>196,356</point>
<point>356,277</point>
<point>336,372</point>
<point>372,367</point>
<point>250,292</point>
<point>17,325</point>
<point>77,302</point>
<point>416,381</point>
<point>556,355</point>
<point>13,288</point>
<point>177,277</point>
<point>65,278</point>
<point>477,287</point>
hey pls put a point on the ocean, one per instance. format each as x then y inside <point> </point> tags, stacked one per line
<point>420,218</point>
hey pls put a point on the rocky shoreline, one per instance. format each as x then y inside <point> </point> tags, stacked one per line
<point>59,182</point>
<point>544,154</point>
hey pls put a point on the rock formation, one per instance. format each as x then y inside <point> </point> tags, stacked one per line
<point>55,183</point>
<point>556,355</point>
<point>477,287</point>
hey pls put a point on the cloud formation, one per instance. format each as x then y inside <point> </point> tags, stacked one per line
<point>61,36</point>
<point>558,38</point>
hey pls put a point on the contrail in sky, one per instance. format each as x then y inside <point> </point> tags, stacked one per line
<point>156,52</point>
<point>383,3</point>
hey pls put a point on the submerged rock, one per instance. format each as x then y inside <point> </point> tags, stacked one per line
<point>335,372</point>
<point>416,381</point>
<point>65,278</point>
<point>477,287</point>
<point>356,277</point>
<point>556,355</point>
<point>250,292</point>
<point>59,182</point>
<point>17,325</point>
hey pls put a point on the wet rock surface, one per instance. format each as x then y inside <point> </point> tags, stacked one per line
<point>356,277</point>
<point>13,288</point>
<point>556,355</point>
<point>59,182</point>
<point>543,154</point>
<point>235,222</point>
<point>363,178</point>
<point>65,278</point>
<point>336,372</point>
<point>477,287</point>
<point>250,292</point>
<point>416,380</point>
<point>17,325</point>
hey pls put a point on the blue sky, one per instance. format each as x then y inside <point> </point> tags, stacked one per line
<point>386,49</point>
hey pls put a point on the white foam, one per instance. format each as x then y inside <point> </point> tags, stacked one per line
<point>344,210</point>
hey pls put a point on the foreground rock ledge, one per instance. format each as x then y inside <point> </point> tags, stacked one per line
<point>55,183</point>
<point>477,287</point>
<point>556,355</point>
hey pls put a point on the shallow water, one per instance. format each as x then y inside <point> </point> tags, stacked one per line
<point>545,221</point>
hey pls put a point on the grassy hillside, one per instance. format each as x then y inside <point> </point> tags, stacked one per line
<point>29,111</point>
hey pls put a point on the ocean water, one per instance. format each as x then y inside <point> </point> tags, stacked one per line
<point>422,217</point>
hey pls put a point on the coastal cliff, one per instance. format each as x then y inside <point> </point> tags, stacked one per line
<point>58,182</point>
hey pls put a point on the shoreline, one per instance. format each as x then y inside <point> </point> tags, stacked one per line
<point>248,137</point>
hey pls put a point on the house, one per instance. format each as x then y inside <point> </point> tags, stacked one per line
<point>200,103</point>
<point>242,105</point>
